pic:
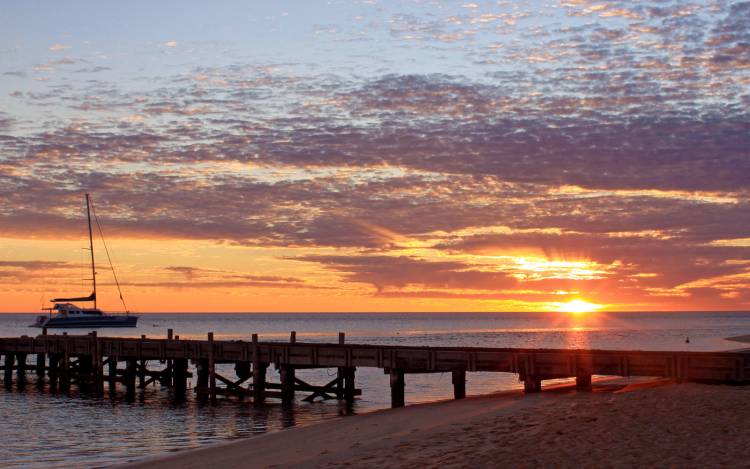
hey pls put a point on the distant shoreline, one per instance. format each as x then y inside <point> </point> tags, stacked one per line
<point>740,338</point>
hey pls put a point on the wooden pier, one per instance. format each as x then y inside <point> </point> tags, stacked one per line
<point>90,361</point>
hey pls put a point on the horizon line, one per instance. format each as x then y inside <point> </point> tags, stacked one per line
<point>417,312</point>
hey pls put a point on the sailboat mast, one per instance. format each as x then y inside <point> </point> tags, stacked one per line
<point>91,247</point>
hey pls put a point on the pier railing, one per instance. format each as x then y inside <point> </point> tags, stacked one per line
<point>90,360</point>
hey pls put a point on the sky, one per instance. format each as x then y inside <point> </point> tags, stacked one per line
<point>377,156</point>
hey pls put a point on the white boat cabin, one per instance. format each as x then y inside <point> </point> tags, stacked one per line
<point>69,309</point>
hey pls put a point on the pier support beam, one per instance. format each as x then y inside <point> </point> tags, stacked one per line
<point>259,383</point>
<point>85,370</point>
<point>179,376</point>
<point>97,367</point>
<point>21,367</point>
<point>243,370</point>
<point>286,373</point>
<point>112,374</point>
<point>349,388</point>
<point>10,360</point>
<point>41,362</point>
<point>583,368</point>
<point>21,370</point>
<point>583,382</point>
<point>459,384</point>
<point>532,384</point>
<point>167,376</point>
<point>131,370</point>
<point>64,369</point>
<point>259,374</point>
<point>142,369</point>
<point>211,368</point>
<point>202,369</point>
<point>340,372</point>
<point>398,386</point>
<point>54,370</point>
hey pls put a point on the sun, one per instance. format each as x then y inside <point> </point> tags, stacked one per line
<point>578,307</point>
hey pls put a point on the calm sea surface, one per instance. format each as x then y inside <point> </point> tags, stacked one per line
<point>43,429</point>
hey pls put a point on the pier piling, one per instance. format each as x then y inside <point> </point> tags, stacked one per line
<point>54,370</point>
<point>340,372</point>
<point>167,377</point>
<point>286,373</point>
<point>41,364</point>
<point>131,369</point>
<point>398,386</point>
<point>532,384</point>
<point>112,373</point>
<point>583,367</point>
<point>10,359</point>
<point>85,370</point>
<point>64,368</point>
<point>349,388</point>
<point>180,376</point>
<point>287,376</point>
<point>211,368</point>
<point>97,365</point>
<point>259,373</point>
<point>458,377</point>
<point>201,368</point>
<point>142,368</point>
<point>583,382</point>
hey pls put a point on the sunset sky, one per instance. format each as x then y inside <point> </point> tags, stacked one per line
<point>378,156</point>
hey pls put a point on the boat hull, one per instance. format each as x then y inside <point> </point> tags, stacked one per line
<point>89,323</point>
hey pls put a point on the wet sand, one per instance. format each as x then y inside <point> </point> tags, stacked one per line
<point>657,423</point>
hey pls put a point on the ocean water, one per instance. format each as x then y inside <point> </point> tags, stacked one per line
<point>40,428</point>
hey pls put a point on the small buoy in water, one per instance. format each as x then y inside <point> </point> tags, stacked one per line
<point>687,340</point>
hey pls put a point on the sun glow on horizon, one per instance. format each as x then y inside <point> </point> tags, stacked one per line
<point>578,306</point>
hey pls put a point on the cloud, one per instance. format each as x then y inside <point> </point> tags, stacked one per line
<point>198,277</point>
<point>192,273</point>
<point>611,133</point>
<point>387,272</point>
<point>17,271</point>
<point>33,265</point>
<point>731,39</point>
<point>670,261</point>
<point>96,69</point>
<point>58,47</point>
<point>5,120</point>
<point>221,284</point>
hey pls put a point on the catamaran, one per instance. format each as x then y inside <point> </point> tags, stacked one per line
<point>65,314</point>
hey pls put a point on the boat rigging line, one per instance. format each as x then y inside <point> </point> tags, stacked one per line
<point>109,259</point>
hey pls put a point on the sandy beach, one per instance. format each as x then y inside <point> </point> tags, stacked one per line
<point>657,423</point>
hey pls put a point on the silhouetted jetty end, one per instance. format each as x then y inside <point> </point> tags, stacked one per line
<point>91,361</point>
